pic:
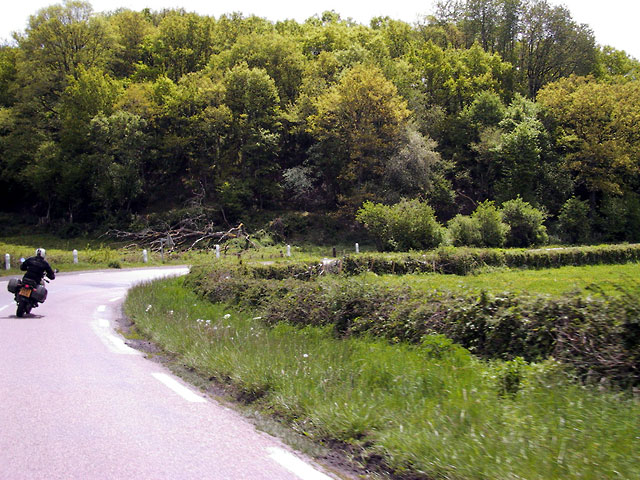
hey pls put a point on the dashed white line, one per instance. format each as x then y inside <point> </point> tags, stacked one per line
<point>2,308</point>
<point>295,465</point>
<point>178,388</point>
<point>116,299</point>
<point>101,308</point>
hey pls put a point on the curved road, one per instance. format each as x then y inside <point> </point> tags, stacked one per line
<point>77,403</point>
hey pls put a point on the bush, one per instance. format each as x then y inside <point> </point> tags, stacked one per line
<point>573,222</point>
<point>493,232</point>
<point>464,231</point>
<point>409,224</point>
<point>525,222</point>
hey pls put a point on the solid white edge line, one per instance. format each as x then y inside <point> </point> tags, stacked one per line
<point>178,388</point>
<point>295,465</point>
<point>116,299</point>
<point>2,308</point>
<point>102,328</point>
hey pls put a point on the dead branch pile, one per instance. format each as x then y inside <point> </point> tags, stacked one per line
<point>187,234</point>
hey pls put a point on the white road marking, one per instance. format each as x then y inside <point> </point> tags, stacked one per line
<point>116,299</point>
<point>295,465</point>
<point>2,308</point>
<point>102,328</point>
<point>178,388</point>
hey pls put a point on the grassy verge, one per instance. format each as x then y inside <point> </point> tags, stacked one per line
<point>430,410</point>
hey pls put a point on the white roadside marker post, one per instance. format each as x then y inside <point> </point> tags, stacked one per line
<point>145,256</point>
<point>75,256</point>
<point>7,261</point>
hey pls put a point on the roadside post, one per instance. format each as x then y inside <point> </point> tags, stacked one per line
<point>357,248</point>
<point>75,256</point>
<point>145,256</point>
<point>7,261</point>
<point>217,251</point>
<point>288,250</point>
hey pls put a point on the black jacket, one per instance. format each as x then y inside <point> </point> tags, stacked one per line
<point>36,267</point>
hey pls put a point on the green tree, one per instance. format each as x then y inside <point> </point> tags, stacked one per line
<point>574,224</point>
<point>89,93</point>
<point>358,125</point>
<point>119,147</point>
<point>251,171</point>
<point>58,40</point>
<point>553,46</point>
<point>596,124</point>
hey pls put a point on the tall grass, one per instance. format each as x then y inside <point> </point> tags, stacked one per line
<point>432,410</point>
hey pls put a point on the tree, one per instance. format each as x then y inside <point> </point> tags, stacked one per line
<point>119,142</point>
<point>131,30</point>
<point>596,124</point>
<point>553,46</point>
<point>251,172</point>
<point>181,44</point>
<point>358,125</point>
<point>281,57</point>
<point>57,41</point>
<point>89,93</point>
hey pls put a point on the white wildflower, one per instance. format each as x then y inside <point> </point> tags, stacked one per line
<point>305,355</point>
<point>227,316</point>
<point>148,308</point>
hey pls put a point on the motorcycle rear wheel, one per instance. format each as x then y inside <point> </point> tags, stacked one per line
<point>22,308</point>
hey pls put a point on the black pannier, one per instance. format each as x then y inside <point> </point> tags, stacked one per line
<point>13,285</point>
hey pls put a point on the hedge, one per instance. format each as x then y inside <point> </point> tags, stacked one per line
<point>599,338</point>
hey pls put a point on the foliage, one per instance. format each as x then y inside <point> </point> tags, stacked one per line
<point>245,115</point>
<point>493,231</point>
<point>409,224</point>
<point>525,224</point>
<point>573,222</point>
<point>464,231</point>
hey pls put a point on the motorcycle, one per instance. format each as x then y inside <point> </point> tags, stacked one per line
<point>28,295</point>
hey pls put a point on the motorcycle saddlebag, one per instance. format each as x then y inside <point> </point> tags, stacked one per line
<point>39,294</point>
<point>13,285</point>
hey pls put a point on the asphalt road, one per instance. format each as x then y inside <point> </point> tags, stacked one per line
<point>77,403</point>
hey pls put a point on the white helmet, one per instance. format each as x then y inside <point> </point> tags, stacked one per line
<point>40,252</point>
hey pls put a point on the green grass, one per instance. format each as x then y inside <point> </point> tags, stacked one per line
<point>557,281</point>
<point>431,409</point>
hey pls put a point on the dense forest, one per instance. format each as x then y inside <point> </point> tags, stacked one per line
<point>107,117</point>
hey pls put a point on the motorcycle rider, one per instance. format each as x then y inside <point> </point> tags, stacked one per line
<point>36,267</point>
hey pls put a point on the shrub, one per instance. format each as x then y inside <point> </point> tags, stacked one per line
<point>573,221</point>
<point>409,224</point>
<point>464,231</point>
<point>493,231</point>
<point>525,222</point>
